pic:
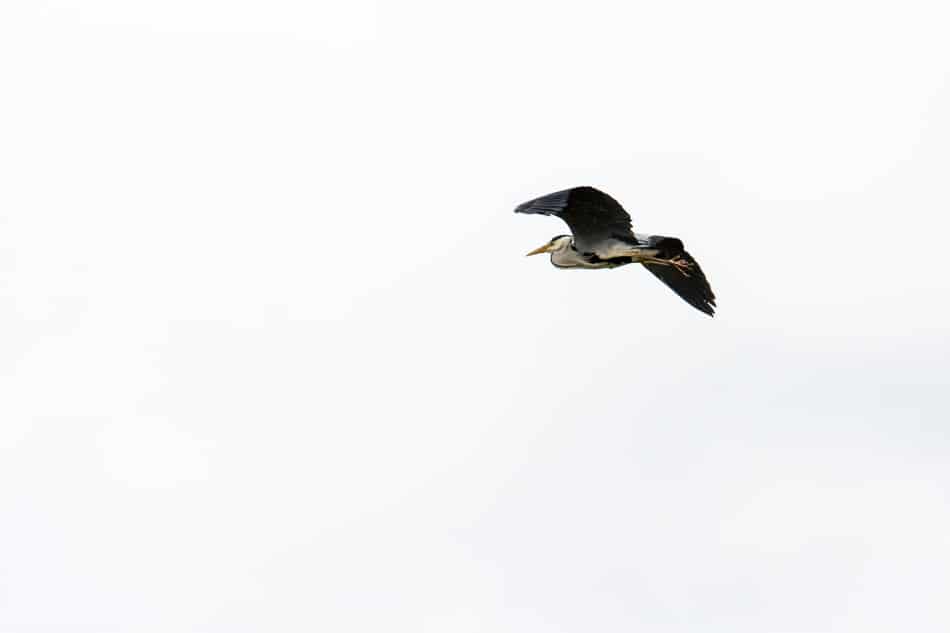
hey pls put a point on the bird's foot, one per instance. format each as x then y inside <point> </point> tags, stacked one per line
<point>677,262</point>
<point>681,265</point>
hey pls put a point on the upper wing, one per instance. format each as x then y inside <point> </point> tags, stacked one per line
<point>694,289</point>
<point>592,215</point>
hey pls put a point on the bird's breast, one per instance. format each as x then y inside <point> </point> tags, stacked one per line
<point>574,259</point>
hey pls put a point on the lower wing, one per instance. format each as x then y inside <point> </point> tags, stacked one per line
<point>694,289</point>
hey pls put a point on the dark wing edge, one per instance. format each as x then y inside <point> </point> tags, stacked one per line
<point>695,289</point>
<point>551,204</point>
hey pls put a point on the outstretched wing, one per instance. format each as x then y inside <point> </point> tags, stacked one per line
<point>694,289</point>
<point>591,214</point>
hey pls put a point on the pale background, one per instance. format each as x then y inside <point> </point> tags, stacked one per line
<point>273,358</point>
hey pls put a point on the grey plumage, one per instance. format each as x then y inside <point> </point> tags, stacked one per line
<point>602,237</point>
<point>593,216</point>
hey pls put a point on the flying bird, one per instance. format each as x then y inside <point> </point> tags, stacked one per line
<point>602,237</point>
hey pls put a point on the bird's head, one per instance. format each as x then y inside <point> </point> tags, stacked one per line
<point>557,243</point>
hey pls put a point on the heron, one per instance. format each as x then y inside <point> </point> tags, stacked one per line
<point>602,237</point>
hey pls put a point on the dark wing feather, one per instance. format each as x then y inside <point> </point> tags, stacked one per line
<point>592,215</point>
<point>695,289</point>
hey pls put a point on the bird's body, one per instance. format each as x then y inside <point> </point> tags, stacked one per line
<point>603,238</point>
<point>564,254</point>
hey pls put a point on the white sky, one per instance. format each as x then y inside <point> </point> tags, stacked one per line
<point>274,360</point>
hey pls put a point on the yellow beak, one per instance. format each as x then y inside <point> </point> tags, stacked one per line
<point>541,249</point>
